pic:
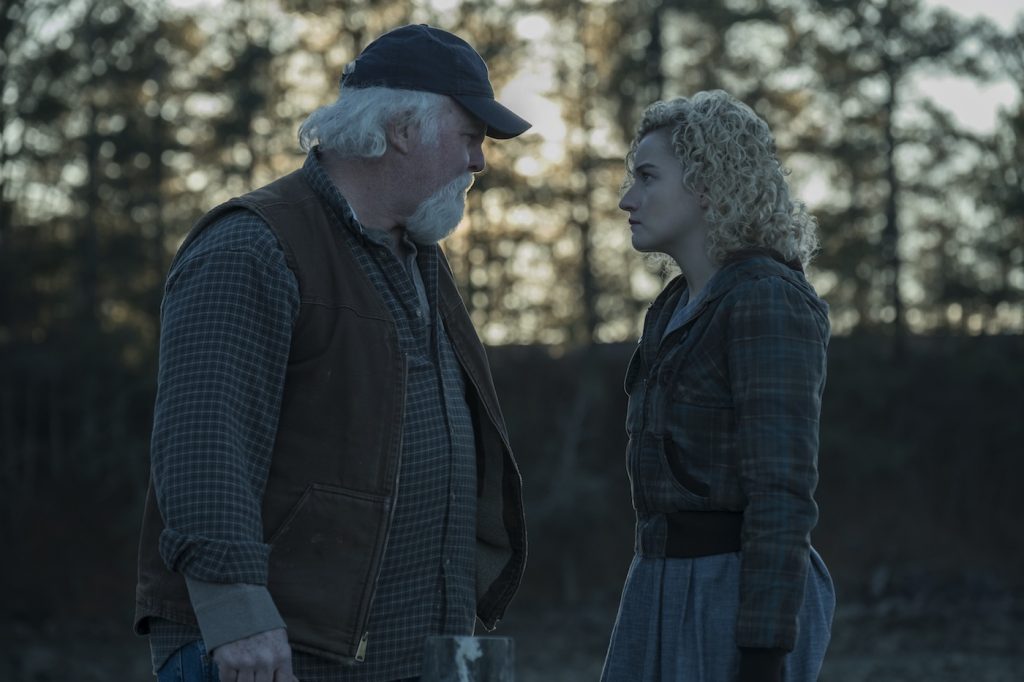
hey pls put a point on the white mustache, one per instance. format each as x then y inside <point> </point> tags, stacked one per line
<point>459,185</point>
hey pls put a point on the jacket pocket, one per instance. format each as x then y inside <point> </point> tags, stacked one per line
<point>324,562</point>
<point>700,447</point>
<point>687,475</point>
<point>656,486</point>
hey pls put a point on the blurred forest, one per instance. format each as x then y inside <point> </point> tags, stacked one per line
<point>122,121</point>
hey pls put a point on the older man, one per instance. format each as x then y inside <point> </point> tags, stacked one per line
<point>331,475</point>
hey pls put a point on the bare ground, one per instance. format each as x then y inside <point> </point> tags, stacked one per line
<point>891,640</point>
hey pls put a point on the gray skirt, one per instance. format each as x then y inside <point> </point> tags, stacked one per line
<point>677,621</point>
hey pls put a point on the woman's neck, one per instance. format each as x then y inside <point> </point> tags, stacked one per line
<point>696,264</point>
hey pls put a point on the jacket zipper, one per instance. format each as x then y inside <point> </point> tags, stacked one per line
<point>637,443</point>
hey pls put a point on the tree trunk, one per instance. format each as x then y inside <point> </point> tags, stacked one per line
<point>86,322</point>
<point>654,53</point>
<point>891,233</point>
<point>588,283</point>
<point>6,200</point>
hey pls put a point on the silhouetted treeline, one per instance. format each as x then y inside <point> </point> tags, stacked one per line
<point>123,121</point>
<point>919,461</point>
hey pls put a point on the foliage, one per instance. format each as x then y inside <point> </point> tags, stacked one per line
<point>122,122</point>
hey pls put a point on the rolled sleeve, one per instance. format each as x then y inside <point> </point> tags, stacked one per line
<point>777,345</point>
<point>228,309</point>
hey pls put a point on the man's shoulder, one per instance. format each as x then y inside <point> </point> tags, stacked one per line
<point>231,243</point>
<point>233,229</point>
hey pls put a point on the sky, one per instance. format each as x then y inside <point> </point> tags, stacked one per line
<point>1003,12</point>
<point>975,105</point>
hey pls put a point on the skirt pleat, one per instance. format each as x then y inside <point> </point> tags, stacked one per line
<point>677,622</point>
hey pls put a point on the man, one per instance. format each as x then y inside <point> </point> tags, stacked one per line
<point>331,475</point>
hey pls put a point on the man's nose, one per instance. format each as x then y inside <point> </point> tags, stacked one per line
<point>476,159</point>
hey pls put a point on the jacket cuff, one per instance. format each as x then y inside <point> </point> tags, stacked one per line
<point>228,612</point>
<point>761,665</point>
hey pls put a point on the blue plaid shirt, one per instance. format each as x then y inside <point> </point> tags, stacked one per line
<point>233,290</point>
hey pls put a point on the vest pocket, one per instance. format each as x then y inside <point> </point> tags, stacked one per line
<point>324,562</point>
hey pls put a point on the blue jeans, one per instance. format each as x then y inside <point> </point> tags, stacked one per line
<point>190,663</point>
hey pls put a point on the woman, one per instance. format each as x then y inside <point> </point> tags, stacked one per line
<point>724,398</point>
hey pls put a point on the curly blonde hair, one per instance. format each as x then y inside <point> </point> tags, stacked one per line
<point>728,154</point>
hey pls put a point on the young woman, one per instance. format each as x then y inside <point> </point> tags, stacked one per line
<point>724,398</point>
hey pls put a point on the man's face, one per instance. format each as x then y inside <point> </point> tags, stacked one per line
<point>459,146</point>
<point>444,173</point>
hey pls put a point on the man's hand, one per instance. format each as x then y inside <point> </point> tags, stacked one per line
<point>264,657</point>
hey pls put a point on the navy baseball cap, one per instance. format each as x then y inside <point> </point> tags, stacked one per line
<point>422,57</point>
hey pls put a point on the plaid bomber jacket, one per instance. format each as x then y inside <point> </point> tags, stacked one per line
<point>723,416</point>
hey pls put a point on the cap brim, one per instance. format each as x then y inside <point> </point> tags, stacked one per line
<point>502,124</point>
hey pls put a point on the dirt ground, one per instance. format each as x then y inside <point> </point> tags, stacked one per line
<point>892,640</point>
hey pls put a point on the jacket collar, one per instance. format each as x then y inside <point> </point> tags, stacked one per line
<point>738,267</point>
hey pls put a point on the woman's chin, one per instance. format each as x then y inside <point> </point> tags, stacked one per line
<point>642,245</point>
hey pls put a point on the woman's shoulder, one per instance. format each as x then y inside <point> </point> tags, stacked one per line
<point>762,287</point>
<point>764,276</point>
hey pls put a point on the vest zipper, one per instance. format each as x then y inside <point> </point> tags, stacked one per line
<point>361,651</point>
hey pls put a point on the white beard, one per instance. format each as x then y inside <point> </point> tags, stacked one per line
<point>438,215</point>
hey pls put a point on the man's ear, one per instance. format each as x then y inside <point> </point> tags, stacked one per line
<point>400,135</point>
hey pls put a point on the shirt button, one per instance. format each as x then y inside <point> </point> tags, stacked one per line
<point>419,313</point>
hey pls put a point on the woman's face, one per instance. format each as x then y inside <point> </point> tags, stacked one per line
<point>664,216</point>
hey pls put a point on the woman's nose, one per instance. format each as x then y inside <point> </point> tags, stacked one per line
<point>628,203</point>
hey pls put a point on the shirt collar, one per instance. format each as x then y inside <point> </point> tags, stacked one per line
<point>317,176</point>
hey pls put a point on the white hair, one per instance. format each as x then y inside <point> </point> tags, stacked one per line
<point>355,124</point>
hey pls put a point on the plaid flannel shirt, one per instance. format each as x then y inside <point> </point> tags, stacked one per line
<point>225,338</point>
<point>723,416</point>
